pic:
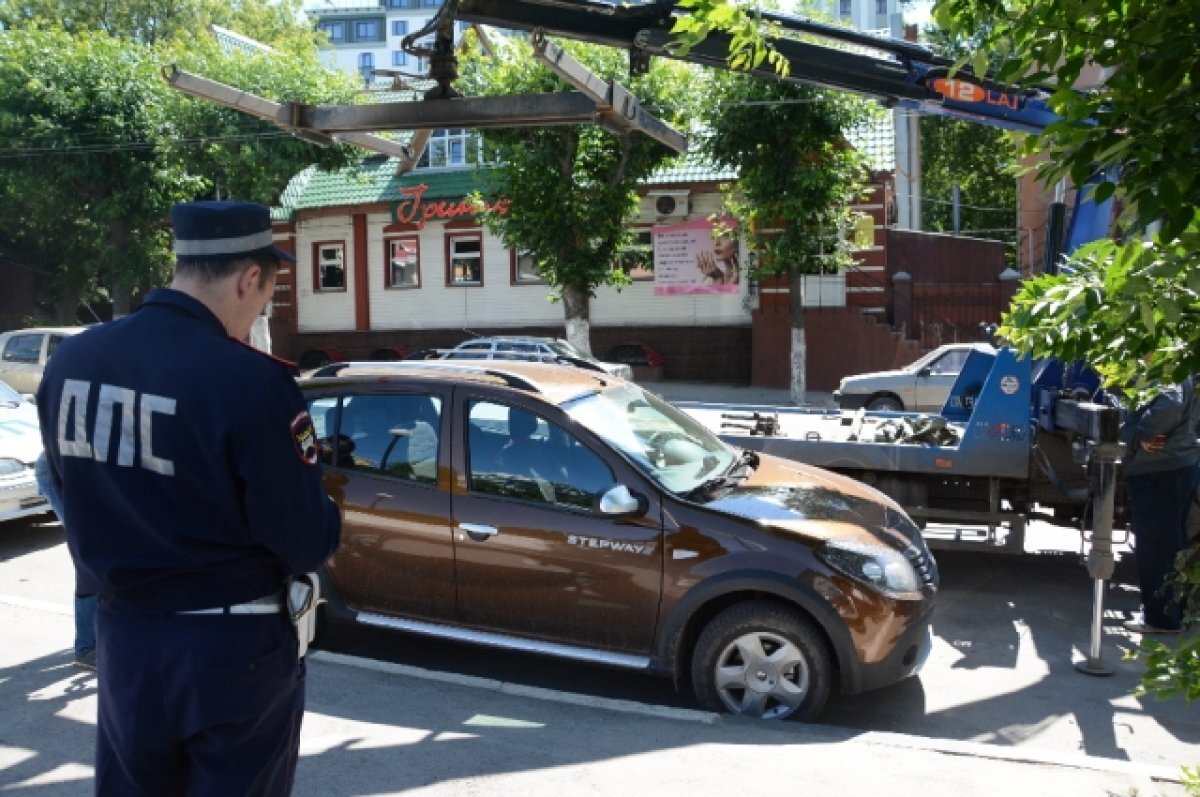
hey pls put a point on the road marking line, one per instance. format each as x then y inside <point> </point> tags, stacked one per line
<point>519,690</point>
<point>42,606</point>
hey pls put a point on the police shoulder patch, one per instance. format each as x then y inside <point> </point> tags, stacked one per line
<point>304,436</point>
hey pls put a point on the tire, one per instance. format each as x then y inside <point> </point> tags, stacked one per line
<point>768,645</point>
<point>885,404</point>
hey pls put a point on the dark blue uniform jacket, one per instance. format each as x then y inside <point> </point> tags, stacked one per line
<point>186,461</point>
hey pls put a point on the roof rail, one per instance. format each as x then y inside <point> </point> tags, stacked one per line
<point>510,379</point>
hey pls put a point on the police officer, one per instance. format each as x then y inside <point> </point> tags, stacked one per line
<point>1162,469</point>
<point>187,466</point>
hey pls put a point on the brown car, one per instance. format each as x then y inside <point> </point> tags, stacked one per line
<point>572,513</point>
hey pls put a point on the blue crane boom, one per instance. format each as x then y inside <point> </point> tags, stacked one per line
<point>897,72</point>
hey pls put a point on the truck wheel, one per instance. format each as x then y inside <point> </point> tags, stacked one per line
<point>762,659</point>
<point>886,404</point>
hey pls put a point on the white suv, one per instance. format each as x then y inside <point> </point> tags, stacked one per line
<point>512,347</point>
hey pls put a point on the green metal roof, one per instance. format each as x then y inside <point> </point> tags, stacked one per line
<point>374,180</point>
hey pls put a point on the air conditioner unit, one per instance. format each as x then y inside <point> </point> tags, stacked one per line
<point>669,203</point>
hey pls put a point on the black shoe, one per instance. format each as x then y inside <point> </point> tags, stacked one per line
<point>86,660</point>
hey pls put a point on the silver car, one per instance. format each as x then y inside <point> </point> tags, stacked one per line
<point>514,347</point>
<point>24,352</point>
<point>20,445</point>
<point>920,386</point>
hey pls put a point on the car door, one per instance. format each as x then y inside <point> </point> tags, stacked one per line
<point>533,558</point>
<point>383,456</point>
<point>21,360</point>
<point>935,380</point>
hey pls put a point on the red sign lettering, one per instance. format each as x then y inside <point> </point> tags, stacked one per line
<point>413,209</point>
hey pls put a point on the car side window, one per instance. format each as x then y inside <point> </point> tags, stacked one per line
<point>518,454</point>
<point>23,349</point>
<point>949,363</point>
<point>52,344</point>
<point>390,434</point>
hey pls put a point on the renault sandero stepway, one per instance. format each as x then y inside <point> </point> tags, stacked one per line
<point>574,514</point>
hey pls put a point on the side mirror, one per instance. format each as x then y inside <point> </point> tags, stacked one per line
<point>926,371</point>
<point>619,502</point>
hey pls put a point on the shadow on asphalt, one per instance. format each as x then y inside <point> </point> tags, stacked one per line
<point>1001,673</point>
<point>1006,632</point>
<point>28,535</point>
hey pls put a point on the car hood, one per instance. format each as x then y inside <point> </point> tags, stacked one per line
<point>817,503</point>
<point>858,379</point>
<point>19,435</point>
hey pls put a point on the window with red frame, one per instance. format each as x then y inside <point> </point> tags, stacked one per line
<point>329,266</point>
<point>402,258</point>
<point>524,269</point>
<point>464,259</point>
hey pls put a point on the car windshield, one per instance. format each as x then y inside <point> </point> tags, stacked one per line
<point>567,350</point>
<point>668,446</point>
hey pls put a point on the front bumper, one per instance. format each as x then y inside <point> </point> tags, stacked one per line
<point>907,658</point>
<point>20,498</point>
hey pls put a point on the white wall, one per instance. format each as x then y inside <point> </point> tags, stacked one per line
<point>498,303</point>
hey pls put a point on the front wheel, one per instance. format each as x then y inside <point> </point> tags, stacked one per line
<point>885,404</point>
<point>764,660</point>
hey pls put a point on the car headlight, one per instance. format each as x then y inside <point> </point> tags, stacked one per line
<point>877,566</point>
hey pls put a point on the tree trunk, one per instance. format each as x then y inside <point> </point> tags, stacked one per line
<point>799,377</point>
<point>577,315</point>
<point>122,298</point>
<point>122,294</point>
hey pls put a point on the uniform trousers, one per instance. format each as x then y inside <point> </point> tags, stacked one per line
<point>197,704</point>
<point>1160,503</point>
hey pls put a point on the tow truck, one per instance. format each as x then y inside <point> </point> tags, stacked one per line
<point>991,463</point>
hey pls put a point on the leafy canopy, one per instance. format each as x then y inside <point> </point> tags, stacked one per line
<point>572,188</point>
<point>95,147</point>
<point>798,175</point>
<point>1136,295</point>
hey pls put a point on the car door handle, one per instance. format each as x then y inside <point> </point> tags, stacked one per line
<point>478,531</point>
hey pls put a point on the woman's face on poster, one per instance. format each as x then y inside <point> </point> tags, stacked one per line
<point>725,247</point>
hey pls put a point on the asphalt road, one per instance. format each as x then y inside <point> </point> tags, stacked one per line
<point>999,708</point>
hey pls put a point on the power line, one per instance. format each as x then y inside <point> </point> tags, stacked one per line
<point>107,147</point>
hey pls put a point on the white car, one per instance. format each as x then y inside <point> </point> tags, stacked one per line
<point>20,445</point>
<point>24,353</point>
<point>515,347</point>
<point>920,386</point>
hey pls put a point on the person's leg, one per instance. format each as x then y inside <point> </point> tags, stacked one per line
<point>136,751</point>
<point>85,625</point>
<point>1159,502</point>
<point>241,702</point>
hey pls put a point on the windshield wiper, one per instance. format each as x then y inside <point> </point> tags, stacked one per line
<point>737,472</point>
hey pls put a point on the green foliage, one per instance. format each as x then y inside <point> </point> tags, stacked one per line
<point>748,45</point>
<point>1143,113</point>
<point>1120,302</point>
<point>979,159</point>
<point>95,146</point>
<point>1174,671</point>
<point>236,154</point>
<point>85,178</point>
<point>151,22</point>
<point>797,173</point>
<point>572,188</point>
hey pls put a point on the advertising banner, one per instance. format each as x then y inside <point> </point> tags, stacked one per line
<point>689,260</point>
